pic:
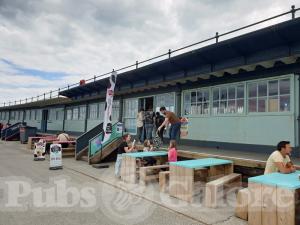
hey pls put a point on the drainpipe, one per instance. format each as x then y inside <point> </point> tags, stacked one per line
<point>298,118</point>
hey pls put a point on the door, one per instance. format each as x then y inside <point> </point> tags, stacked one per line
<point>44,120</point>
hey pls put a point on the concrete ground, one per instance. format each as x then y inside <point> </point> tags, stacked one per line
<point>32,194</point>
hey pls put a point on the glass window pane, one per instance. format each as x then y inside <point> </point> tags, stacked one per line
<point>252,90</point>
<point>205,96</point>
<point>194,109</point>
<point>285,103</point>
<point>240,105</point>
<point>284,86</point>
<point>231,93</point>
<point>223,107</point>
<point>262,89</point>
<point>187,97</point>
<point>206,108</point>
<point>193,97</point>
<point>273,87</point>
<point>231,106</point>
<point>216,94</point>
<point>199,96</point>
<point>240,91</point>
<point>223,93</point>
<point>187,109</point>
<point>273,104</point>
<point>262,105</point>
<point>75,114</point>
<point>252,105</point>
<point>215,107</point>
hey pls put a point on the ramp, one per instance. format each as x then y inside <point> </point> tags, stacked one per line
<point>82,142</point>
<point>99,150</point>
<point>12,132</point>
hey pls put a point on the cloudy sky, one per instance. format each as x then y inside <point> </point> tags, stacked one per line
<point>47,44</point>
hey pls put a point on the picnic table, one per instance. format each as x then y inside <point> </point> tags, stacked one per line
<point>274,199</point>
<point>182,175</point>
<point>129,164</point>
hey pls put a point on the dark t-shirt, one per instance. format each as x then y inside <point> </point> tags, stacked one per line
<point>149,116</point>
<point>121,149</point>
<point>159,120</point>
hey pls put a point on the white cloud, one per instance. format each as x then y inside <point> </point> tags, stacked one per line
<point>87,38</point>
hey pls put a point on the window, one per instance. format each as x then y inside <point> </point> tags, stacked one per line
<point>82,112</point>
<point>101,111</point>
<point>167,100</point>
<point>269,96</point>
<point>130,112</point>
<point>75,113</point>
<point>69,114</point>
<point>21,115</point>
<point>228,99</point>
<point>115,111</point>
<point>196,102</point>
<point>52,114</point>
<point>93,111</point>
<point>32,114</point>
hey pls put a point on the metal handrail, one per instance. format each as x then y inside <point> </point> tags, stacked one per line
<point>51,94</point>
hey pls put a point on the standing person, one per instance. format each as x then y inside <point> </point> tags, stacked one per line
<point>140,117</point>
<point>172,152</point>
<point>123,148</point>
<point>149,123</point>
<point>159,119</point>
<point>279,160</point>
<point>171,118</point>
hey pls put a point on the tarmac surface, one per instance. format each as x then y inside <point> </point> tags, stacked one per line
<point>32,194</point>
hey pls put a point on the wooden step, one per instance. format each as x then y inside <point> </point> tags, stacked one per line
<point>84,158</point>
<point>68,154</point>
<point>68,150</point>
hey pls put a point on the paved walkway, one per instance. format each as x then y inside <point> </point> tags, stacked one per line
<point>100,198</point>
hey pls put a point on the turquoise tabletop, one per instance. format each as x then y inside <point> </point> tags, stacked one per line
<point>200,163</point>
<point>146,154</point>
<point>287,181</point>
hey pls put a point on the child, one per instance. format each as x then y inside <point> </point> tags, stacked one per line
<point>172,152</point>
<point>148,147</point>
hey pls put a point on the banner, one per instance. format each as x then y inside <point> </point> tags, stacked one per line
<point>107,123</point>
<point>55,156</point>
<point>184,127</point>
<point>39,150</point>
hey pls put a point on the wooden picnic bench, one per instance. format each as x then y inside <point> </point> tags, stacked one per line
<point>274,199</point>
<point>130,167</point>
<point>215,190</point>
<point>185,174</point>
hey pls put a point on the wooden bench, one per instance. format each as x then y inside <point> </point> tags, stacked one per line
<point>163,180</point>
<point>214,190</point>
<point>150,173</point>
<point>242,200</point>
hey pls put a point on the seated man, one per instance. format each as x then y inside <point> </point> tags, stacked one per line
<point>63,137</point>
<point>279,160</point>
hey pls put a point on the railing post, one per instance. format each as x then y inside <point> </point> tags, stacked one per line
<point>26,100</point>
<point>15,102</point>
<point>4,104</point>
<point>217,37</point>
<point>136,64</point>
<point>50,94</point>
<point>31,99</point>
<point>293,11</point>
<point>68,86</point>
<point>58,92</point>
<point>44,96</point>
<point>169,53</point>
<point>94,78</point>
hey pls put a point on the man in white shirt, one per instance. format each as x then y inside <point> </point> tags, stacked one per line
<point>63,137</point>
<point>279,160</point>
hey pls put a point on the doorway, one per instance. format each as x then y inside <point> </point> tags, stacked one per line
<point>44,120</point>
<point>146,103</point>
